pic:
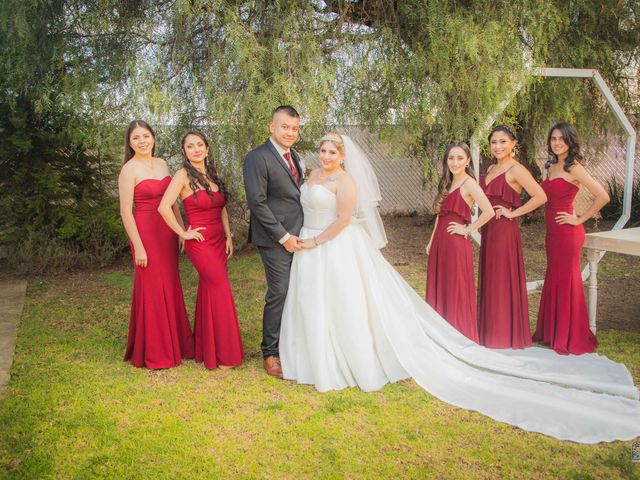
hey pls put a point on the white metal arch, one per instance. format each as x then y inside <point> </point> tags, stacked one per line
<point>620,116</point>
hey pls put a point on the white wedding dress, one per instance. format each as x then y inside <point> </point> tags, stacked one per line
<point>351,320</point>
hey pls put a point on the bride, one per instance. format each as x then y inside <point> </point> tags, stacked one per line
<point>351,320</point>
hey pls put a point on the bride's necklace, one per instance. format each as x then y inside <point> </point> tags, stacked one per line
<point>330,176</point>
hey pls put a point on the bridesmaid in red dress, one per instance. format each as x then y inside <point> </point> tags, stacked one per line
<point>563,321</point>
<point>159,332</point>
<point>218,342</point>
<point>503,311</point>
<point>451,289</point>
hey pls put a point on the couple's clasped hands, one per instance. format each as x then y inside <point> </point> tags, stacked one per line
<point>295,244</point>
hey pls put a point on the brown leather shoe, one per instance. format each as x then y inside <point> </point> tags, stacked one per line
<point>272,366</point>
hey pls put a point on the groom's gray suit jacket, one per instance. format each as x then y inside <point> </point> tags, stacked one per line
<point>274,201</point>
<point>272,195</point>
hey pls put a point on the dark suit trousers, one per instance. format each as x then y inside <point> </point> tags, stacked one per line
<point>277,266</point>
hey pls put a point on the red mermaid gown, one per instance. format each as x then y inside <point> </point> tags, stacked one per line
<point>563,320</point>
<point>451,289</point>
<point>218,340</point>
<point>503,311</point>
<point>159,332</point>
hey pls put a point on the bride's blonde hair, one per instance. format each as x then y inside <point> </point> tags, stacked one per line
<point>335,138</point>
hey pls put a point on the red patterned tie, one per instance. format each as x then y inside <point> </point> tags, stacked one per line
<point>294,171</point>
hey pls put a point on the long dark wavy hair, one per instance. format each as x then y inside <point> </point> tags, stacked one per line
<point>128,151</point>
<point>501,128</point>
<point>446,178</point>
<point>198,180</point>
<point>532,167</point>
<point>570,137</point>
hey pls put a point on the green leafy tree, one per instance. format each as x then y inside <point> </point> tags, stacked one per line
<point>56,145</point>
<point>74,73</point>
<point>441,67</point>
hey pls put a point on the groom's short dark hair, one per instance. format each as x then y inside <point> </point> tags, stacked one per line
<point>288,109</point>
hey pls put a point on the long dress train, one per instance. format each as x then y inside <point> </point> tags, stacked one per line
<point>159,331</point>
<point>351,320</point>
<point>563,320</point>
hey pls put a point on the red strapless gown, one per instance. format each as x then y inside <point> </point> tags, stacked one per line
<point>451,289</point>
<point>159,332</point>
<point>563,320</point>
<point>503,310</point>
<point>216,328</point>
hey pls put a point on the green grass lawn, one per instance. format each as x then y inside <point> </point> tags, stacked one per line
<point>74,409</point>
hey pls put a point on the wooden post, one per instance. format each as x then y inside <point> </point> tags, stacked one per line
<point>593,257</point>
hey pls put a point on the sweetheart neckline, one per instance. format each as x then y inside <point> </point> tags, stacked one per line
<point>156,179</point>
<point>318,185</point>
<point>197,191</point>
<point>560,178</point>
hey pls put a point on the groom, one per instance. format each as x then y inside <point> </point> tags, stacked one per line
<point>272,178</point>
